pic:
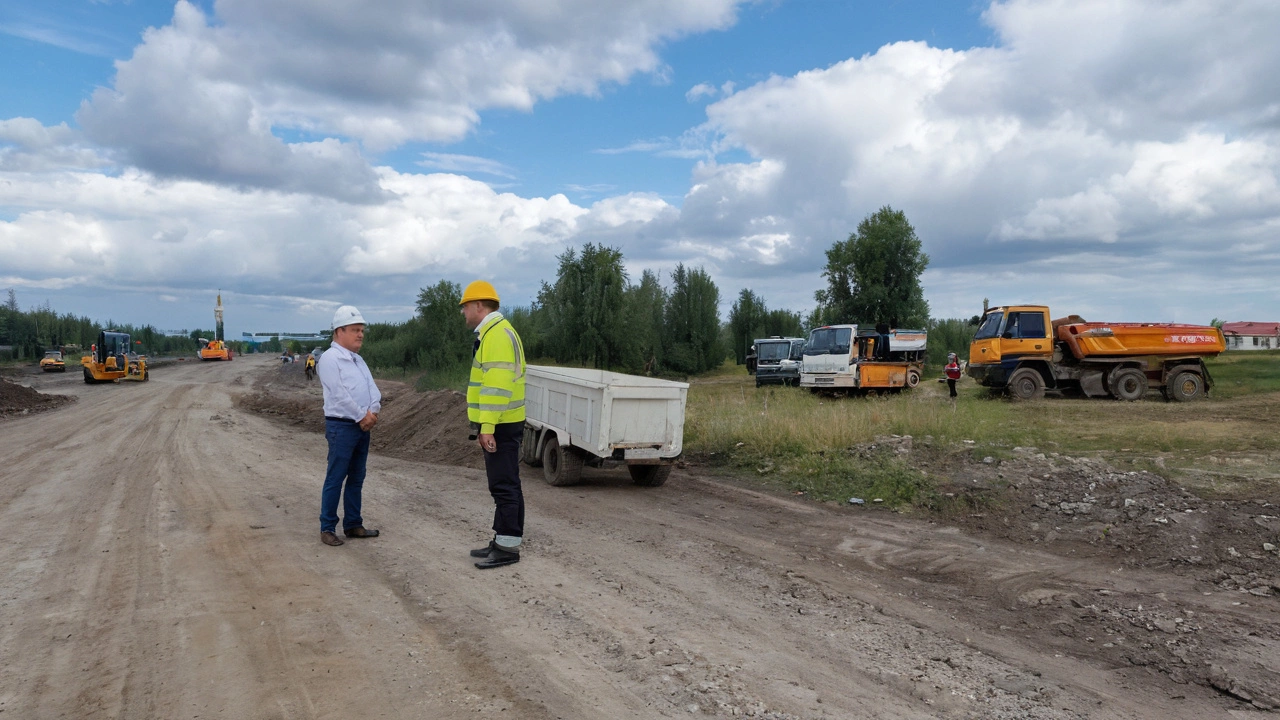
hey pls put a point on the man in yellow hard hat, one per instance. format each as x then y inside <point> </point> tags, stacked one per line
<point>495,409</point>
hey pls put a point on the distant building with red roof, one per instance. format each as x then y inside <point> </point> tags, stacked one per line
<point>1252,335</point>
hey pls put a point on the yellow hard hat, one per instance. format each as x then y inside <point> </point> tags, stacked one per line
<point>479,290</point>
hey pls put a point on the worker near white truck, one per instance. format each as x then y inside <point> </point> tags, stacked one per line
<point>495,410</point>
<point>352,402</point>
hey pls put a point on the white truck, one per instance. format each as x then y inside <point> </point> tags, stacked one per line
<point>581,416</point>
<point>840,359</point>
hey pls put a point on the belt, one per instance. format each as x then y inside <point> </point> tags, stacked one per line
<point>341,420</point>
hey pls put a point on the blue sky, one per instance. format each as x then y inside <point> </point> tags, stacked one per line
<point>1113,159</point>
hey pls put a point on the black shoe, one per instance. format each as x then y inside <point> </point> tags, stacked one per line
<point>484,551</point>
<point>360,532</point>
<point>497,558</point>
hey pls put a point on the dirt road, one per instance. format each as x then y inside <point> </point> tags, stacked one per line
<point>163,561</point>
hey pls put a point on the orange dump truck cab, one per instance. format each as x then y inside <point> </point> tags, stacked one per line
<point>1020,349</point>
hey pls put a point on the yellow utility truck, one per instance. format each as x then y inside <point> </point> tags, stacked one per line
<point>112,358</point>
<point>52,362</point>
<point>840,359</point>
<point>1019,349</point>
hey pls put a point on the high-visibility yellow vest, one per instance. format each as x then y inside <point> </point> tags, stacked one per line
<point>495,394</point>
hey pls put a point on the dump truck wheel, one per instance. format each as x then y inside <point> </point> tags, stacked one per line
<point>649,475</point>
<point>1185,386</point>
<point>529,448</point>
<point>560,465</point>
<point>88,377</point>
<point>913,378</point>
<point>1128,384</point>
<point>1026,384</point>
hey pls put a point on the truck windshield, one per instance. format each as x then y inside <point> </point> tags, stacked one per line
<point>772,351</point>
<point>829,341</point>
<point>990,326</point>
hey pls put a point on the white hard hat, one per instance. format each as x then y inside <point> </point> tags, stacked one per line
<point>347,315</point>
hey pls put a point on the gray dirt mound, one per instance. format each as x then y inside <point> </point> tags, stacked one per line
<point>425,426</point>
<point>18,399</point>
<point>1089,507</point>
<point>430,426</point>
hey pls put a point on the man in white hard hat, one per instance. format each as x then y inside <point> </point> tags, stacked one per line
<point>351,406</point>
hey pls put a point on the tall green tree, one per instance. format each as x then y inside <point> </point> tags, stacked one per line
<point>692,322</point>
<point>950,335</point>
<point>440,333</point>
<point>585,308</point>
<point>783,323</point>
<point>645,305</point>
<point>874,275</point>
<point>747,320</point>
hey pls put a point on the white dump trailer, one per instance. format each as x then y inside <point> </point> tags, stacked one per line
<point>577,416</point>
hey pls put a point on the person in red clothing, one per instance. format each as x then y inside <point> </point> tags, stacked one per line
<point>953,372</point>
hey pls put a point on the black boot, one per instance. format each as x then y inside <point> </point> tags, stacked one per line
<point>484,551</point>
<point>498,557</point>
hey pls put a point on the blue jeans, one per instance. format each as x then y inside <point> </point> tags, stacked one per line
<point>348,450</point>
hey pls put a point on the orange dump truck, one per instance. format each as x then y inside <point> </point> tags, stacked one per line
<point>1020,349</point>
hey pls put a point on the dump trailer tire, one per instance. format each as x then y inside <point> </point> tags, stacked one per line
<point>1128,384</point>
<point>1026,384</point>
<point>1185,386</point>
<point>560,465</point>
<point>913,378</point>
<point>649,475</point>
<point>529,448</point>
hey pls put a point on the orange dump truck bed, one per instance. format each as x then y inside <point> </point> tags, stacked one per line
<point>1093,339</point>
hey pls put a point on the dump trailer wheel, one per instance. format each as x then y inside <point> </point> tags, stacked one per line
<point>560,465</point>
<point>913,378</point>
<point>529,448</point>
<point>649,475</point>
<point>1185,385</point>
<point>1026,384</point>
<point>1128,384</point>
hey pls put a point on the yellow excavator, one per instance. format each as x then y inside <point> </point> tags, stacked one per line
<point>112,358</point>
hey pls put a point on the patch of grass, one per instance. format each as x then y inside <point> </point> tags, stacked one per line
<point>842,476</point>
<point>801,441</point>
<point>448,379</point>
<point>1245,372</point>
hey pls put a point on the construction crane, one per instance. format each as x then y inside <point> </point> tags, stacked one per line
<point>216,349</point>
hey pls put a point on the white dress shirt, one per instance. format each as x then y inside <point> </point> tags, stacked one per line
<point>349,390</point>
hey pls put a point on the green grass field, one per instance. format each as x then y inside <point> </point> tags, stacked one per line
<point>1245,373</point>
<point>802,441</point>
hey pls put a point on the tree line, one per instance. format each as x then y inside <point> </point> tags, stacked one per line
<point>594,314</point>
<point>28,334</point>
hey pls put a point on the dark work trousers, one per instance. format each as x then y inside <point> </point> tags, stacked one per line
<point>348,451</point>
<point>951,384</point>
<point>503,469</point>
